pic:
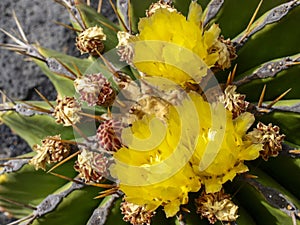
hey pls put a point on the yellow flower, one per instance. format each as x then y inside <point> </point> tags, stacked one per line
<point>154,169</point>
<point>222,145</point>
<point>165,159</point>
<point>171,46</point>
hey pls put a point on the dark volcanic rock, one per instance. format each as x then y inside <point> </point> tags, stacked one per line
<point>20,77</point>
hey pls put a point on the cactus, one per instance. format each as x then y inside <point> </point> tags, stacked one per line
<point>184,112</point>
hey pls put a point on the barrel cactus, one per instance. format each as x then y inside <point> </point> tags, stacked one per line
<point>183,112</point>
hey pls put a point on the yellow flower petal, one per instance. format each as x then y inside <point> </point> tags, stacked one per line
<point>168,44</point>
<point>195,13</point>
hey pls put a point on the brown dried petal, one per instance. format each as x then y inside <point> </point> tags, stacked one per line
<point>95,89</point>
<point>216,206</point>
<point>92,166</point>
<point>234,101</point>
<point>125,48</point>
<point>161,4</point>
<point>91,40</point>
<point>67,111</point>
<point>270,137</point>
<point>52,150</point>
<point>135,214</point>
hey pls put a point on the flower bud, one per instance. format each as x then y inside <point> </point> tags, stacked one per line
<point>91,40</point>
<point>52,150</point>
<point>67,111</point>
<point>136,214</point>
<point>216,206</point>
<point>92,166</point>
<point>95,89</point>
<point>109,134</point>
<point>269,136</point>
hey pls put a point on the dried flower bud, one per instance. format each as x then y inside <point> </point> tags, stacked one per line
<point>233,101</point>
<point>270,137</point>
<point>125,48</point>
<point>67,111</point>
<point>92,166</point>
<point>135,214</point>
<point>91,40</point>
<point>230,47</point>
<point>161,4</point>
<point>109,134</point>
<point>95,89</point>
<point>226,52</point>
<point>52,150</point>
<point>216,206</point>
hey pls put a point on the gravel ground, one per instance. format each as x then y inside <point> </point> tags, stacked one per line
<point>20,77</point>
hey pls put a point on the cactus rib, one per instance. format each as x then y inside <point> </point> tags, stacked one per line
<point>100,214</point>
<point>212,9</point>
<point>273,16</point>
<point>269,69</point>
<point>51,201</point>
<point>13,165</point>
<point>275,198</point>
<point>294,108</point>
